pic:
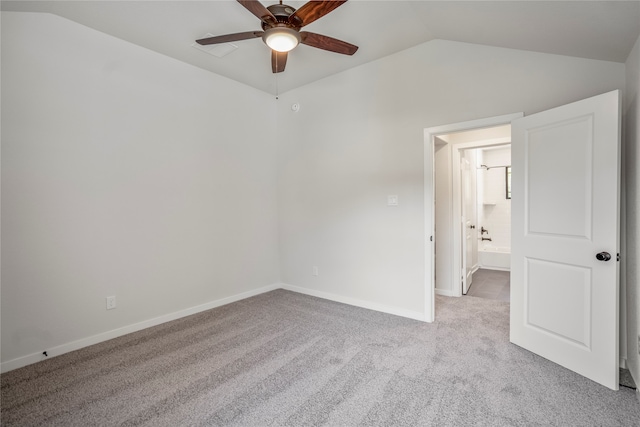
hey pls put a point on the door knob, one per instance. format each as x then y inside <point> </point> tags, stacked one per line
<point>603,256</point>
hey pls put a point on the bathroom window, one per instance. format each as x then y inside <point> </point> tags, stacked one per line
<point>507,179</point>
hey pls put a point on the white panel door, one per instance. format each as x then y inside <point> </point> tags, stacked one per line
<point>565,211</point>
<point>466,224</point>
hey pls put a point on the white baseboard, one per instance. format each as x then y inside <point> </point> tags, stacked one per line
<point>115,333</point>
<point>496,268</point>
<point>445,293</point>
<point>105,336</point>
<point>416,315</point>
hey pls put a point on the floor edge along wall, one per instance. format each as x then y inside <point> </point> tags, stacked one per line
<point>115,333</point>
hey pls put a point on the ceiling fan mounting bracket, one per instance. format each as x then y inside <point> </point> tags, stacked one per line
<point>282,13</point>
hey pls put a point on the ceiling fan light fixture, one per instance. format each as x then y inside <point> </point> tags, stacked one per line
<point>281,39</point>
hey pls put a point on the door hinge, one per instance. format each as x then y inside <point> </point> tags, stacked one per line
<point>431,238</point>
<point>618,257</point>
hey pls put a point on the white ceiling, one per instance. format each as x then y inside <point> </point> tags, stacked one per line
<point>602,30</point>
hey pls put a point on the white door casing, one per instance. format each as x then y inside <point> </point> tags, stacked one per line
<point>565,210</point>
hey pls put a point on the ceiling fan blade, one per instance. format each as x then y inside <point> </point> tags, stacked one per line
<point>230,37</point>
<point>327,43</point>
<point>255,7</point>
<point>278,61</point>
<point>313,10</point>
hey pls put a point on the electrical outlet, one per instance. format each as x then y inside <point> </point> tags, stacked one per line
<point>111,303</point>
<point>314,270</point>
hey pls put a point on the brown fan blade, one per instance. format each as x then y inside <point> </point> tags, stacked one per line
<point>313,10</point>
<point>230,38</point>
<point>255,7</point>
<point>327,43</point>
<point>278,61</point>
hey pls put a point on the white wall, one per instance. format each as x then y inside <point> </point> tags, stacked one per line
<point>127,173</point>
<point>631,186</point>
<point>359,136</point>
<point>124,173</point>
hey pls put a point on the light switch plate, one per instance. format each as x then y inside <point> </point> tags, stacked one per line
<point>392,200</point>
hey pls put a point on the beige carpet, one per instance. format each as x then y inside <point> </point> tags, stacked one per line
<point>283,358</point>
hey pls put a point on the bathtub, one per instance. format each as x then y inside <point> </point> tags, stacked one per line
<point>495,258</point>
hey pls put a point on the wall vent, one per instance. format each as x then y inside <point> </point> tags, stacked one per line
<point>217,50</point>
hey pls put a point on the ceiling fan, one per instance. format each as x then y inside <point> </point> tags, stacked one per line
<point>281,26</point>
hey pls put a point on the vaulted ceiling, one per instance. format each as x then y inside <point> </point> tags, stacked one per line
<point>601,30</point>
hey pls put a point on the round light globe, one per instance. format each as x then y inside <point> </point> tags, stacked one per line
<point>281,39</point>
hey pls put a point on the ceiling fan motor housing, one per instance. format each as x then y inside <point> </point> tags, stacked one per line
<point>282,12</point>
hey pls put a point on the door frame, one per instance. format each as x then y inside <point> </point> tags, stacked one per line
<point>429,200</point>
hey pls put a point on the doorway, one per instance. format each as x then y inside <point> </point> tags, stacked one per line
<point>470,195</point>
<point>564,280</point>
<point>486,217</point>
<point>436,146</point>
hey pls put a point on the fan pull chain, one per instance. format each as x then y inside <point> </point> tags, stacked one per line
<point>277,90</point>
